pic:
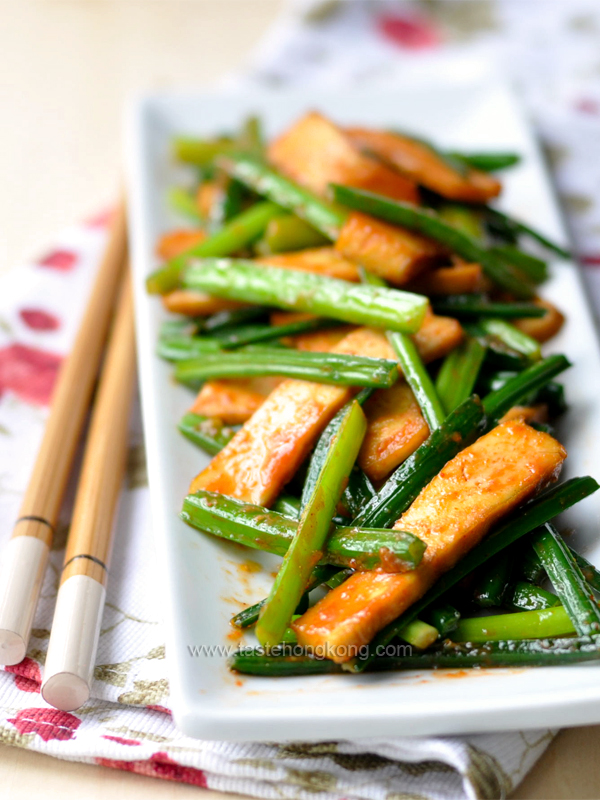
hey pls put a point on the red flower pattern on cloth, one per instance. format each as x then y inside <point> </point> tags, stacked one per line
<point>121,740</point>
<point>409,32</point>
<point>39,320</point>
<point>593,260</point>
<point>61,260</point>
<point>162,709</point>
<point>101,220</point>
<point>27,674</point>
<point>159,765</point>
<point>587,105</point>
<point>28,372</point>
<point>48,723</point>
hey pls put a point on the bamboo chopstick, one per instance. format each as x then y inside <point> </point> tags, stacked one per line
<point>26,555</point>
<point>81,595</point>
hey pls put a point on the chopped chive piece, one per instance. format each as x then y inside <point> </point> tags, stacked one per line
<point>449,655</point>
<point>180,328</point>
<point>240,279</point>
<point>589,571</point>
<point>568,580</point>
<point>287,233</point>
<point>257,175</point>
<point>538,624</point>
<point>222,320</point>
<point>288,506</point>
<point>463,218</point>
<point>358,492</point>
<point>418,379</point>
<point>458,373</point>
<point>420,634</point>
<point>469,305</point>
<point>534,268</point>
<point>313,528</point>
<point>528,597</point>
<point>263,333</point>
<point>413,368</point>
<point>263,529</point>
<point>209,434</point>
<point>492,585</point>
<point>515,228</point>
<point>251,138</point>
<point>443,617</point>
<point>256,360</point>
<point>200,152</point>
<point>322,446</point>
<point>512,337</point>
<point>181,348</point>
<point>487,162</point>
<point>184,203</point>
<point>497,403</point>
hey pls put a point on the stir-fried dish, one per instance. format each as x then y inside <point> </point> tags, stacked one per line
<point>362,327</point>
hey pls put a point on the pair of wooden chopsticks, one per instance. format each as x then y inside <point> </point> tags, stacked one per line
<point>80,601</point>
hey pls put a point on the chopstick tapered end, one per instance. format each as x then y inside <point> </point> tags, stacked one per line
<point>65,691</point>
<point>12,648</point>
<point>73,642</point>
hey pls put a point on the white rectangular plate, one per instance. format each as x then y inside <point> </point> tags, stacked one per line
<point>205,580</point>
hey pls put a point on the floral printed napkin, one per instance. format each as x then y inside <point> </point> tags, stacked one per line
<point>552,57</point>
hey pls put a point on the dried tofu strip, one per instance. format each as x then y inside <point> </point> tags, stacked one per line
<point>462,278</point>
<point>451,515</point>
<point>542,328</point>
<point>322,260</point>
<point>529,414</point>
<point>233,401</point>
<point>264,455</point>
<point>197,304</point>
<point>392,253</point>
<point>425,166</point>
<point>395,429</point>
<point>321,341</point>
<point>206,197</point>
<point>314,152</point>
<point>437,337</point>
<point>175,242</point>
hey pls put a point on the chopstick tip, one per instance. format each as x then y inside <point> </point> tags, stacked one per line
<point>65,691</point>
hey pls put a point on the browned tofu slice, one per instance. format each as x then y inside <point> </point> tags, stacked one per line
<point>322,260</point>
<point>392,253</point>
<point>395,429</point>
<point>425,166</point>
<point>462,278</point>
<point>233,400</point>
<point>175,242</point>
<point>197,304</point>
<point>451,515</point>
<point>314,152</point>
<point>542,328</point>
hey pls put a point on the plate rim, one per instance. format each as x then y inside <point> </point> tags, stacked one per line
<point>241,724</point>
